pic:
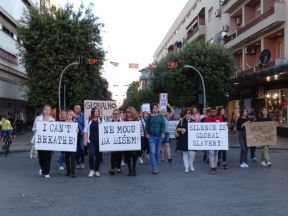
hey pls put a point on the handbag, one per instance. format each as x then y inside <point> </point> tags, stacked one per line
<point>176,133</point>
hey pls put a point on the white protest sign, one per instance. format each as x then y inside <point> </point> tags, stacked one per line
<point>163,100</point>
<point>119,136</point>
<point>172,128</point>
<point>56,136</point>
<point>106,108</point>
<point>208,136</point>
<point>146,108</point>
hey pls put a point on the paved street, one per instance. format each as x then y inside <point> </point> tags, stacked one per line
<point>253,191</point>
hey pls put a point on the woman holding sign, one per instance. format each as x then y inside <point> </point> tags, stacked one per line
<point>44,156</point>
<point>182,129</point>
<point>264,116</point>
<point>91,138</point>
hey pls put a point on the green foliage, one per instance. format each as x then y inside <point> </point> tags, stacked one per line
<point>52,39</point>
<point>183,84</point>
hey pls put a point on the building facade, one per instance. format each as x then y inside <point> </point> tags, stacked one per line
<point>257,33</point>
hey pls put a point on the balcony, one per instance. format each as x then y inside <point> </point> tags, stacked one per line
<point>270,19</point>
<point>196,33</point>
<point>231,5</point>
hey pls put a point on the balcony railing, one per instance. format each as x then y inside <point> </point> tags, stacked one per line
<point>256,69</point>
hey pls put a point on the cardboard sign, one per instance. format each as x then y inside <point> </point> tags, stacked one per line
<point>119,136</point>
<point>106,108</point>
<point>56,136</point>
<point>261,133</point>
<point>163,100</point>
<point>172,128</point>
<point>208,136</point>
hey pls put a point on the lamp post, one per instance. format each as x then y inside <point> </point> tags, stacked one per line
<point>202,80</point>
<point>60,81</point>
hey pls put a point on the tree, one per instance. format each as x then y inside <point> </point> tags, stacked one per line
<point>183,85</point>
<point>52,39</point>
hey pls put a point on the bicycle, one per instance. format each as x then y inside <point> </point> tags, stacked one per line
<point>7,141</point>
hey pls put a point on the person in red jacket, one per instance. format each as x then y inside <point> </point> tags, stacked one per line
<point>213,154</point>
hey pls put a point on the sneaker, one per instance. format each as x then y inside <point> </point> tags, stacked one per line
<point>61,168</point>
<point>47,176</point>
<point>170,160</point>
<point>97,174</point>
<point>154,171</point>
<point>213,171</point>
<point>77,166</point>
<point>40,172</point>
<point>254,159</point>
<point>263,163</point>
<point>118,170</point>
<point>269,164</point>
<point>186,170</point>
<point>91,174</point>
<point>141,160</point>
<point>242,165</point>
<point>192,169</point>
<point>246,165</point>
<point>82,166</point>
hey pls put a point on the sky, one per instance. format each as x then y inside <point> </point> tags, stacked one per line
<point>132,32</point>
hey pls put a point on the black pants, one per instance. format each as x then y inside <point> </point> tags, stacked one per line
<point>70,158</point>
<point>45,161</point>
<point>252,152</point>
<point>131,159</point>
<point>222,155</point>
<point>116,158</point>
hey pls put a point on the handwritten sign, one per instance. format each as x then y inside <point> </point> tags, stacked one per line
<point>172,128</point>
<point>146,108</point>
<point>163,100</point>
<point>119,136</point>
<point>56,136</point>
<point>207,136</point>
<point>106,108</point>
<point>261,133</point>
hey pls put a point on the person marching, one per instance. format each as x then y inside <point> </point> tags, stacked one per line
<point>241,122</point>
<point>213,154</point>
<point>80,154</point>
<point>91,138</point>
<point>144,141</point>
<point>182,130</point>
<point>155,129</point>
<point>116,157</point>
<point>70,157</point>
<point>43,155</point>
<point>264,116</point>
<point>222,153</point>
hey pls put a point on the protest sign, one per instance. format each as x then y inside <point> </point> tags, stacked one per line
<point>261,133</point>
<point>56,136</point>
<point>172,128</point>
<point>208,136</point>
<point>106,108</point>
<point>119,136</point>
<point>163,100</point>
<point>146,108</point>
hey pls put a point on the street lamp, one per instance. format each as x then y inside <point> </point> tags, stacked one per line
<point>60,80</point>
<point>202,80</point>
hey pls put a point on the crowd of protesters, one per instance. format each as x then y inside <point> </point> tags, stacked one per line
<point>155,141</point>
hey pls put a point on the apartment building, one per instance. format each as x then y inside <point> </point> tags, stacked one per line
<point>257,32</point>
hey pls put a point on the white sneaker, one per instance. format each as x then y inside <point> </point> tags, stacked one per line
<point>263,163</point>
<point>82,166</point>
<point>91,174</point>
<point>246,165</point>
<point>47,176</point>
<point>192,169</point>
<point>186,171</point>
<point>141,160</point>
<point>242,165</point>
<point>61,168</point>
<point>269,163</point>
<point>122,163</point>
<point>40,172</point>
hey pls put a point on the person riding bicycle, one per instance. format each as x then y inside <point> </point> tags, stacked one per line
<point>6,128</point>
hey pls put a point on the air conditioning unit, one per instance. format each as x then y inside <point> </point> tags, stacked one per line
<point>250,51</point>
<point>218,12</point>
<point>224,35</point>
<point>238,20</point>
<point>226,28</point>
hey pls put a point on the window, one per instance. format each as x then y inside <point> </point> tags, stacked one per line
<point>7,31</point>
<point>210,14</point>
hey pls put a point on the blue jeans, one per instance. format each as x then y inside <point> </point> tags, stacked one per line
<point>154,144</point>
